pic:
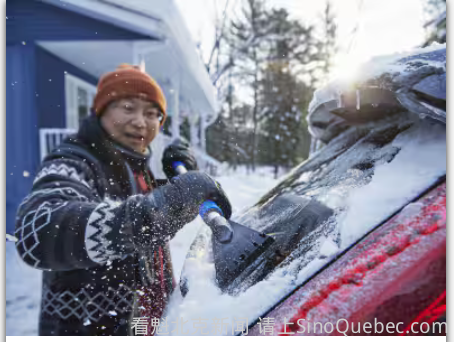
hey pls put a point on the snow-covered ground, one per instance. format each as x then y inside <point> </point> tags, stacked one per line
<point>23,283</point>
<point>23,294</point>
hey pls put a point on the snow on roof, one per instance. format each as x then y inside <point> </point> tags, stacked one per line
<point>158,19</point>
<point>176,31</point>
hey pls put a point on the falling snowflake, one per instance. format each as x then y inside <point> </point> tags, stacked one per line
<point>26,174</point>
<point>87,322</point>
<point>11,238</point>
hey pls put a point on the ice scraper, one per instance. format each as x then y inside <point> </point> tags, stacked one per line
<point>235,247</point>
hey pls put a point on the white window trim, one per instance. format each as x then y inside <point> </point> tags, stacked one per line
<point>71,84</point>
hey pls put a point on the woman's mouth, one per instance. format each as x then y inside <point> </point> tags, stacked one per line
<point>135,137</point>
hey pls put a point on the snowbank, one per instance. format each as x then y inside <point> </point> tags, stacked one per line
<point>23,295</point>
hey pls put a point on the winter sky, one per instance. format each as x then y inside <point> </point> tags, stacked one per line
<point>366,28</point>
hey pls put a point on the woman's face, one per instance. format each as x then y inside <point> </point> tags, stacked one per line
<point>132,122</point>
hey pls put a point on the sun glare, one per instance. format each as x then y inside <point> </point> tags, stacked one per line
<point>346,67</point>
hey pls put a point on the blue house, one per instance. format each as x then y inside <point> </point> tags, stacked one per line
<point>55,52</point>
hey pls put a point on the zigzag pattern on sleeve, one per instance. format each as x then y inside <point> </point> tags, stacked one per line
<point>100,224</point>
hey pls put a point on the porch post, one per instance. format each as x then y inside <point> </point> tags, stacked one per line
<point>138,57</point>
<point>202,132</point>
<point>193,127</point>
<point>174,99</point>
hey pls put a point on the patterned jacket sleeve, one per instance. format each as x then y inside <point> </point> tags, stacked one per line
<point>64,224</point>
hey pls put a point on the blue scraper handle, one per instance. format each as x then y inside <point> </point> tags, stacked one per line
<point>210,213</point>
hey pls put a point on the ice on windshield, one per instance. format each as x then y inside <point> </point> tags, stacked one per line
<point>365,175</point>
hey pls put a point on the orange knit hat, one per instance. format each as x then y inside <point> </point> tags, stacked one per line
<point>128,81</point>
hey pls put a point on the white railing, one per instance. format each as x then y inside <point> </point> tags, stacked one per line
<point>49,138</point>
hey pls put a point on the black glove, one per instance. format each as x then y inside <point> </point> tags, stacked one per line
<point>197,187</point>
<point>158,216</point>
<point>179,151</point>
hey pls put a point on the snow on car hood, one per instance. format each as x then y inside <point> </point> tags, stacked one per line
<point>362,198</point>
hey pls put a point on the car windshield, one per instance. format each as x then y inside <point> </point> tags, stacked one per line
<point>364,175</point>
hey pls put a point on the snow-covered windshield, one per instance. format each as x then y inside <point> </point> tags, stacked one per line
<point>365,175</point>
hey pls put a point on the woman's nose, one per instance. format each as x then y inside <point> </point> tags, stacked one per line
<point>139,121</point>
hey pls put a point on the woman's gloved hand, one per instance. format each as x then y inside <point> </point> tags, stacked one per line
<point>197,187</point>
<point>158,216</point>
<point>178,151</point>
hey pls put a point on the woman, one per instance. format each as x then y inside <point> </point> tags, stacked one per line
<point>98,223</point>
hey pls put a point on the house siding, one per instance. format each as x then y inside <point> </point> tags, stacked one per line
<point>31,20</point>
<point>50,88</point>
<point>32,101</point>
<point>22,155</point>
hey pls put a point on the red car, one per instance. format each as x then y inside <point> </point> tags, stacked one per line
<point>374,263</point>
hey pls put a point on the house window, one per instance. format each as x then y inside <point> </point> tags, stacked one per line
<point>79,100</point>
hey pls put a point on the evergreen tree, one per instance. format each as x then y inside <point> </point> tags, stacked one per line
<point>436,25</point>
<point>247,38</point>
<point>280,61</point>
<point>284,98</point>
<point>284,137</point>
<point>330,37</point>
<point>218,136</point>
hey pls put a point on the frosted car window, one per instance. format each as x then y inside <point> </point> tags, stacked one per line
<point>364,175</point>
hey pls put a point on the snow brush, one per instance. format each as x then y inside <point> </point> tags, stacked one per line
<point>235,247</point>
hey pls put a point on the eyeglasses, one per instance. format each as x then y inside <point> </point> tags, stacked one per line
<point>130,107</point>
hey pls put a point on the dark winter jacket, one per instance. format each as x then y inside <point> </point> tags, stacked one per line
<point>68,226</point>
